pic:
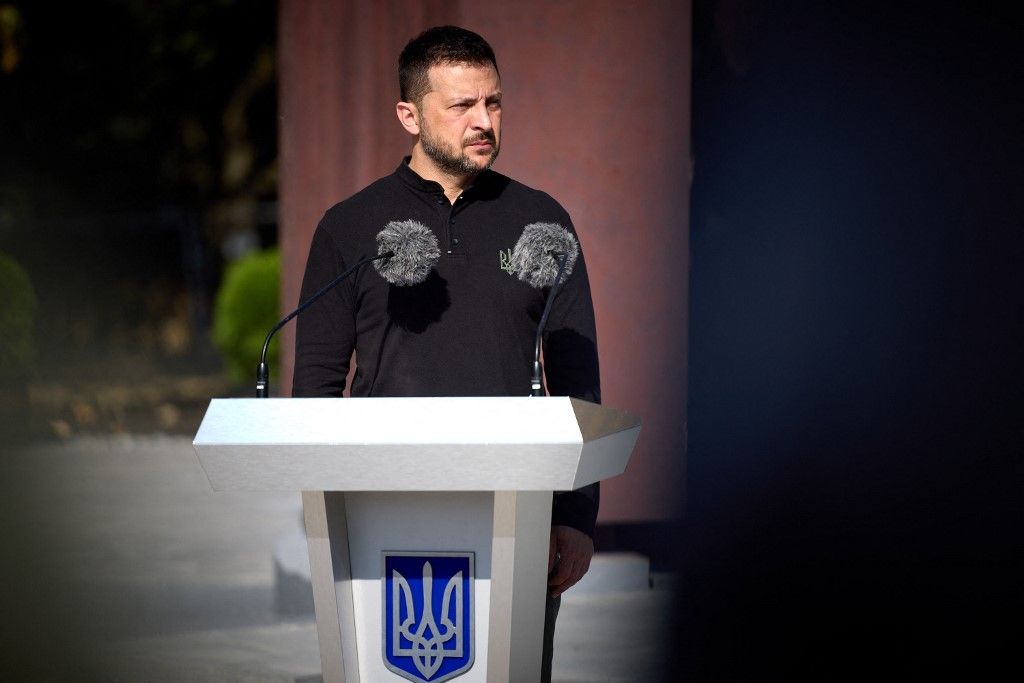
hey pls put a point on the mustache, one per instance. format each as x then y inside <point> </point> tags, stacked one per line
<point>482,137</point>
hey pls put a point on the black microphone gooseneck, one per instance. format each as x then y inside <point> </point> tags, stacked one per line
<point>543,256</point>
<point>263,370</point>
<point>536,383</point>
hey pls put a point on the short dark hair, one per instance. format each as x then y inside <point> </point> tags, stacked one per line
<point>438,45</point>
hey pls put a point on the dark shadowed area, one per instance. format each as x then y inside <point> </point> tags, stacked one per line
<point>854,474</point>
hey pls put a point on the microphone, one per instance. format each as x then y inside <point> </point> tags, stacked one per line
<point>532,255</point>
<point>414,252</point>
<point>543,257</point>
<point>406,253</point>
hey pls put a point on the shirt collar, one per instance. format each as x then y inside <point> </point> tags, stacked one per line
<point>415,181</point>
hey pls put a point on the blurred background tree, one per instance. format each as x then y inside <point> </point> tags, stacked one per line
<point>245,310</point>
<point>138,147</point>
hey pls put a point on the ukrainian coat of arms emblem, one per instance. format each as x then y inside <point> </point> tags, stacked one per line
<point>428,614</point>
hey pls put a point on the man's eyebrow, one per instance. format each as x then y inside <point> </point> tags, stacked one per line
<point>470,99</point>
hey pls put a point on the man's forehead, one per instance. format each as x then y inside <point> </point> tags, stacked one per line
<point>457,79</point>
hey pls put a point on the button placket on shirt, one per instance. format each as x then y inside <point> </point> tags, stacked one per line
<point>453,239</point>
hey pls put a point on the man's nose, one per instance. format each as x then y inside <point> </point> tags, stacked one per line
<point>481,117</point>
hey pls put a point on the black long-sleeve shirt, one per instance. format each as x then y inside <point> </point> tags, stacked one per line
<point>469,329</point>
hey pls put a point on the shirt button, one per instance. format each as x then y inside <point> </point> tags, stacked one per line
<point>440,200</point>
<point>451,221</point>
<point>455,241</point>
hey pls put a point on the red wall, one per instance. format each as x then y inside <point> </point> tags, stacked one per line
<point>596,112</point>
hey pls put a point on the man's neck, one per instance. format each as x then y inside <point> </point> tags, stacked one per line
<point>425,168</point>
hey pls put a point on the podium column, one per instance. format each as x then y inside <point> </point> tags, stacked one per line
<point>330,569</point>
<point>522,523</point>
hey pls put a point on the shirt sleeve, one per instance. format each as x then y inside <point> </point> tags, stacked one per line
<point>325,332</point>
<point>571,369</point>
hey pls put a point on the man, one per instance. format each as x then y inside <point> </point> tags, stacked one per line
<point>469,329</point>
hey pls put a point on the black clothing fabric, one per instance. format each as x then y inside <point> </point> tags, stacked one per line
<point>469,329</point>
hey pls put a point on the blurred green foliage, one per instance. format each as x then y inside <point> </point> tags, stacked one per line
<point>17,322</point>
<point>247,306</point>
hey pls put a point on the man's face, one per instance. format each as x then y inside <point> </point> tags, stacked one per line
<point>460,118</point>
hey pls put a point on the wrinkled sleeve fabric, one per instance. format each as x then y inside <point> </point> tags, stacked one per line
<point>325,333</point>
<point>571,369</point>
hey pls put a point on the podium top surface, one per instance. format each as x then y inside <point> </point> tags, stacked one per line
<point>450,443</point>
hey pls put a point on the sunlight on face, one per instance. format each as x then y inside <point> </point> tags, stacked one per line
<point>460,122</point>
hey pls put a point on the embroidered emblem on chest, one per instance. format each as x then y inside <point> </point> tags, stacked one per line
<point>505,261</point>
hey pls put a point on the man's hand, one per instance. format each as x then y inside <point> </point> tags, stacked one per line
<point>568,558</point>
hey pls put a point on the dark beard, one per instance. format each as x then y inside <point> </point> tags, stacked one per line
<point>454,164</point>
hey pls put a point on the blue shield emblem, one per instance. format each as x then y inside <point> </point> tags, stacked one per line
<point>428,614</point>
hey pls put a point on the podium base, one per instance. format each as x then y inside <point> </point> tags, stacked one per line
<point>507,534</point>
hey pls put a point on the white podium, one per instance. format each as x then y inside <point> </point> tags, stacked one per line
<point>398,491</point>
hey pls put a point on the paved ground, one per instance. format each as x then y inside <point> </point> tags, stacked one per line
<point>128,567</point>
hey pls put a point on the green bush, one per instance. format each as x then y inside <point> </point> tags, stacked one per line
<point>17,322</point>
<point>247,306</point>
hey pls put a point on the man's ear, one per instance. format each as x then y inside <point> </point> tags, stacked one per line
<point>409,117</point>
